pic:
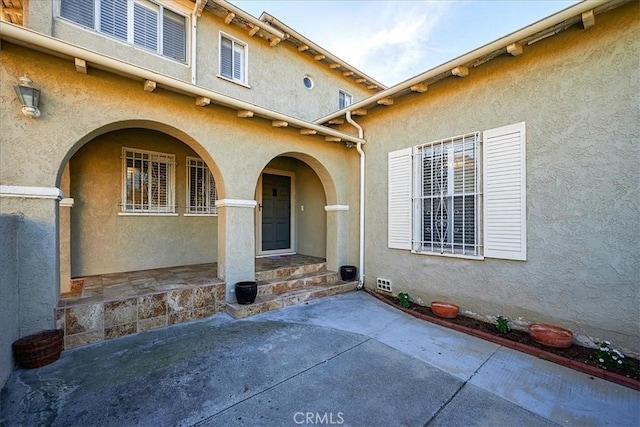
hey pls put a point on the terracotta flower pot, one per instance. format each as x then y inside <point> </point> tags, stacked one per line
<point>444,309</point>
<point>550,335</point>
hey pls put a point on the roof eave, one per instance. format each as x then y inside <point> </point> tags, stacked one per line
<point>202,96</point>
<point>349,71</point>
<point>528,35</point>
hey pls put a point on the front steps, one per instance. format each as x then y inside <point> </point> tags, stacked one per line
<point>288,286</point>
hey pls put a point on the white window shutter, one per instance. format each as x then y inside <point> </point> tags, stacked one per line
<point>504,192</point>
<point>226,57</point>
<point>79,11</point>
<point>174,35</point>
<point>145,27</point>
<point>399,208</point>
<point>113,18</point>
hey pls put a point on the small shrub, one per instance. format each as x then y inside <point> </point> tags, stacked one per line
<point>608,357</point>
<point>502,324</point>
<point>403,297</point>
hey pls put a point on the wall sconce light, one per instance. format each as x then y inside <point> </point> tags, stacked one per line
<point>29,97</point>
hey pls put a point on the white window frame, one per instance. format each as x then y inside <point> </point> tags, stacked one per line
<point>243,80</point>
<point>500,208</point>
<point>344,99</point>
<point>158,8</point>
<point>148,207</point>
<point>460,183</point>
<point>208,208</point>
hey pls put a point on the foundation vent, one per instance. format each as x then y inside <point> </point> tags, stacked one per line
<point>383,284</point>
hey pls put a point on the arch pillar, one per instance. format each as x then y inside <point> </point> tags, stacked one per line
<point>36,272</point>
<point>236,242</point>
<point>337,235</point>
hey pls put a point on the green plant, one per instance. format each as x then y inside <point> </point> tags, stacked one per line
<point>608,357</point>
<point>502,324</point>
<point>403,297</point>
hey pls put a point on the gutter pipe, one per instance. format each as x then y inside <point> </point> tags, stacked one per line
<point>42,42</point>
<point>194,39</point>
<point>517,36</point>
<point>362,197</point>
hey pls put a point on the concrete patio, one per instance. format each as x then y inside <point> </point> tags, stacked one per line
<point>342,360</point>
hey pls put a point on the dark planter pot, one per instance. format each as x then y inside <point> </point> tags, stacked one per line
<point>246,292</point>
<point>39,349</point>
<point>348,272</point>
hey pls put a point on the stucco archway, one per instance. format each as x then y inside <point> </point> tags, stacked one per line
<point>100,234</point>
<point>314,230</point>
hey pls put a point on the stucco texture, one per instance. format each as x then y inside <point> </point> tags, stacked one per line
<point>8,294</point>
<point>80,109</point>
<point>104,241</point>
<point>274,73</point>
<point>578,94</point>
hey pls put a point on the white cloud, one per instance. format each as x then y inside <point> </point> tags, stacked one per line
<point>388,40</point>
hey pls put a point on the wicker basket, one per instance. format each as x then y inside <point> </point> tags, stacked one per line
<point>39,349</point>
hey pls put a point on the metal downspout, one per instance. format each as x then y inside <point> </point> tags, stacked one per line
<point>362,197</point>
<point>194,39</point>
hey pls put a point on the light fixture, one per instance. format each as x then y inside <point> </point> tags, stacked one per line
<point>28,96</point>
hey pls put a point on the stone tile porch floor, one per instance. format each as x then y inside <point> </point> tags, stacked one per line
<point>116,286</point>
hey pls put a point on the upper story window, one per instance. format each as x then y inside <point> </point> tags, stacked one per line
<point>344,99</point>
<point>147,181</point>
<point>139,22</point>
<point>233,59</point>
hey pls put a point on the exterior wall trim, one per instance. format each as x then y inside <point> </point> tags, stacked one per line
<point>14,33</point>
<point>67,202</point>
<point>29,192</point>
<point>333,208</point>
<point>236,203</point>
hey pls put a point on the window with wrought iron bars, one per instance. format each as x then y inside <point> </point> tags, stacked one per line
<point>148,182</point>
<point>447,195</point>
<point>201,188</point>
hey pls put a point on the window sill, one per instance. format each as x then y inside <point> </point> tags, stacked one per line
<point>199,214</point>
<point>469,257</point>
<point>147,214</point>
<point>245,85</point>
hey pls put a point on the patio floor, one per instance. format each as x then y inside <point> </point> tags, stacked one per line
<point>350,359</point>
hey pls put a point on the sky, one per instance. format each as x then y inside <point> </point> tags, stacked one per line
<point>392,41</point>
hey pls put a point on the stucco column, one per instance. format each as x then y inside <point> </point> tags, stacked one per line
<point>37,275</point>
<point>337,236</point>
<point>236,242</point>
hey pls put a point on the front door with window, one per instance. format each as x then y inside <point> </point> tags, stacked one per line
<point>276,213</point>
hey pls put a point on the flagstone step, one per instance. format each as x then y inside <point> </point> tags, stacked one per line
<point>290,271</point>
<point>274,301</point>
<point>280,286</point>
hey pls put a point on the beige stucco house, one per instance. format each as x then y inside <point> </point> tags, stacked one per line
<point>505,180</point>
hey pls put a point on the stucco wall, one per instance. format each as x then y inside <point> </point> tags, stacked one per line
<point>578,94</point>
<point>274,73</point>
<point>8,294</point>
<point>77,109</point>
<point>105,241</point>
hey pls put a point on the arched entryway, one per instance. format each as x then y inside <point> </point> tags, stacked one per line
<point>292,193</point>
<point>142,199</point>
